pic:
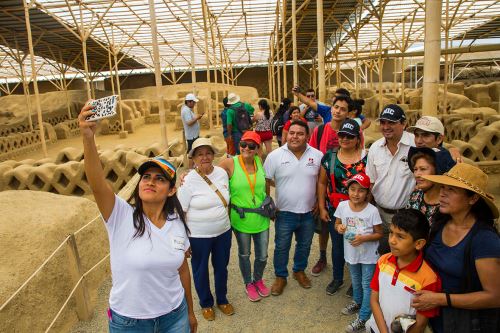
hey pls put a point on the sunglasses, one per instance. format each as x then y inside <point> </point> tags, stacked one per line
<point>346,136</point>
<point>249,145</point>
<point>310,96</point>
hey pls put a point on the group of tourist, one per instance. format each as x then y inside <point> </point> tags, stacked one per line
<point>414,224</point>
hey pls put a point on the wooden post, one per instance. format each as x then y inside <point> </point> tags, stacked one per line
<point>111,79</point>
<point>446,59</point>
<point>321,51</point>
<point>380,60</point>
<point>64,86</point>
<point>75,268</point>
<point>191,46</point>
<point>26,90</point>
<point>356,68</point>
<point>432,55</point>
<point>294,47</point>
<point>283,43</point>
<point>158,83</point>
<point>34,78</point>
<point>215,66</point>
<point>278,57</point>
<point>123,132</point>
<point>207,59</point>
<point>403,79</point>
<point>338,69</point>
<point>395,75</point>
<point>86,67</point>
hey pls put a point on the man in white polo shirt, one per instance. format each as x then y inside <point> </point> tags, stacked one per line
<point>294,169</point>
<point>392,180</point>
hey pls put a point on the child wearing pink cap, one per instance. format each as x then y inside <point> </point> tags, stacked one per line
<point>360,223</point>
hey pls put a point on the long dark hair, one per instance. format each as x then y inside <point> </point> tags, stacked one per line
<point>357,104</point>
<point>172,206</point>
<point>480,210</point>
<point>264,105</point>
<point>284,106</point>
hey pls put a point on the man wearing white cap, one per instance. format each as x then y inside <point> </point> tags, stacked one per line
<point>429,132</point>
<point>190,120</point>
<point>239,119</point>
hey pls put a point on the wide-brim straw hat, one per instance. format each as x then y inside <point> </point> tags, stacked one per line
<point>202,142</point>
<point>468,177</point>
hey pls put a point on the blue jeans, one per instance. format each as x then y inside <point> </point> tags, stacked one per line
<point>361,276</point>
<point>219,248</point>
<point>177,321</point>
<point>288,223</point>
<point>337,252</point>
<point>236,140</point>
<point>260,243</point>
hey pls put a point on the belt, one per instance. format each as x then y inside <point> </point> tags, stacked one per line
<point>388,211</point>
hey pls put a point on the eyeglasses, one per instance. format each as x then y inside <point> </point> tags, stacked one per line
<point>346,136</point>
<point>249,145</point>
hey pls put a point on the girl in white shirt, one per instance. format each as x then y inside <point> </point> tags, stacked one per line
<point>361,225</point>
<point>151,289</point>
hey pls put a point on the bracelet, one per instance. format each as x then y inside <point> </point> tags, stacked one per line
<point>448,300</point>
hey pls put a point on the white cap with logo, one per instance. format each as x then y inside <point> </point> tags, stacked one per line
<point>428,124</point>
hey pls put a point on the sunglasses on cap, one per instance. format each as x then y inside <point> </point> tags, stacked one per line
<point>249,145</point>
<point>346,136</point>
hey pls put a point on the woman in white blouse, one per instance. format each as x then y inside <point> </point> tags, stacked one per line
<point>204,196</point>
<point>148,241</point>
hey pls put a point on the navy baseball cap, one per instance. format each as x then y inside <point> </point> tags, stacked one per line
<point>443,161</point>
<point>350,127</point>
<point>392,112</point>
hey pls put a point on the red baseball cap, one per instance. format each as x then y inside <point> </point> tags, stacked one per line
<point>251,136</point>
<point>360,178</point>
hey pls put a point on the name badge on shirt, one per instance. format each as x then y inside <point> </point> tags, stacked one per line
<point>178,242</point>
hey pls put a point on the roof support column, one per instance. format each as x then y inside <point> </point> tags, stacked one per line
<point>283,40</point>
<point>446,59</point>
<point>432,54</point>
<point>34,79</point>
<point>294,47</point>
<point>380,60</point>
<point>205,30</point>
<point>123,133</point>
<point>321,51</point>
<point>26,90</point>
<point>191,46</point>
<point>278,57</point>
<point>158,83</point>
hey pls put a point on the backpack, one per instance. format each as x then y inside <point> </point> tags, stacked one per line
<point>243,121</point>
<point>277,124</point>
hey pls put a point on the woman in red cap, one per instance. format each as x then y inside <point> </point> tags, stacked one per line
<point>247,185</point>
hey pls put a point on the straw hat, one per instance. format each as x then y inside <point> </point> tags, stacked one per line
<point>202,142</point>
<point>468,177</point>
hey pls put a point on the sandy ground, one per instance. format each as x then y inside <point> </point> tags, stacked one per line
<point>296,310</point>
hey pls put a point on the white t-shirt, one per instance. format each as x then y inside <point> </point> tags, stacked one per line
<point>206,215</point>
<point>392,179</point>
<point>295,179</point>
<point>359,223</point>
<point>144,270</point>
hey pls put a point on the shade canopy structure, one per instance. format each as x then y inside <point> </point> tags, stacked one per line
<point>237,32</point>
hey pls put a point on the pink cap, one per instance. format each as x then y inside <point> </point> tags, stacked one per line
<point>360,178</point>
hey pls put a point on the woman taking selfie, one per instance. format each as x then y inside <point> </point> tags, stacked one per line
<point>151,289</point>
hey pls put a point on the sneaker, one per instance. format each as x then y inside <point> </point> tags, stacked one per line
<point>348,293</point>
<point>318,268</point>
<point>261,288</point>
<point>356,326</point>
<point>350,309</point>
<point>252,293</point>
<point>333,287</point>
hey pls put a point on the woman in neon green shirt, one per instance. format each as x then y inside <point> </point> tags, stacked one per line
<point>247,185</point>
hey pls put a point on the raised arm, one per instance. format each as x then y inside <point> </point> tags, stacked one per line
<point>103,194</point>
<point>304,99</point>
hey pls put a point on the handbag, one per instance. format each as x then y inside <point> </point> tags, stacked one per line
<point>267,209</point>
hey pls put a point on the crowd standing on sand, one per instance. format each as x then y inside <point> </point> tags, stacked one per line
<point>413,223</point>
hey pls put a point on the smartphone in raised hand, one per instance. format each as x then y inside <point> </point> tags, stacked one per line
<point>103,108</point>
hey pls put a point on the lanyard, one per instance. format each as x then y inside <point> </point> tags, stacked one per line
<point>252,185</point>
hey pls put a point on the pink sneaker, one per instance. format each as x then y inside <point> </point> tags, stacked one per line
<point>261,288</point>
<point>252,293</point>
